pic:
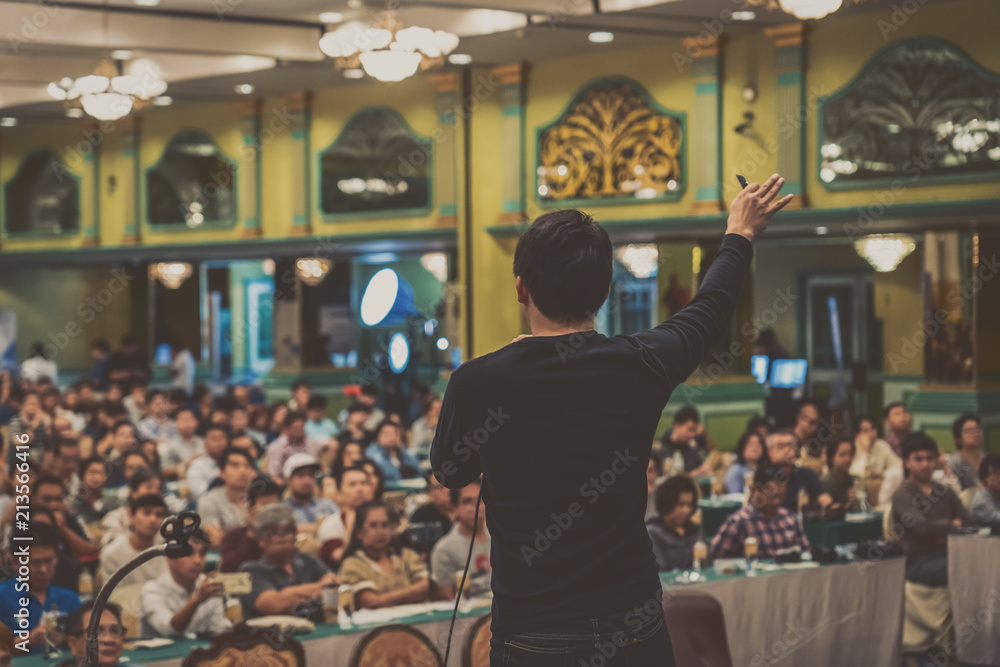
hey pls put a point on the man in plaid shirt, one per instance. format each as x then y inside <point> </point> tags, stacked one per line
<point>775,527</point>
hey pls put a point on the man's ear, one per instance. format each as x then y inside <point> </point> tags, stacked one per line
<point>522,291</point>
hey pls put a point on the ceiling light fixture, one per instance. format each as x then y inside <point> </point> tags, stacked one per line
<point>746,15</point>
<point>601,37</point>
<point>312,270</point>
<point>8,122</point>
<point>121,54</point>
<point>354,74</point>
<point>171,274</point>
<point>147,3</point>
<point>244,89</point>
<point>460,59</point>
<point>387,50</point>
<point>885,251</point>
<point>331,17</point>
<point>163,101</point>
<point>109,93</point>
<point>801,9</point>
<point>640,259</point>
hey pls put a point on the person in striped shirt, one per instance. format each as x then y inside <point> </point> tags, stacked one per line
<point>776,528</point>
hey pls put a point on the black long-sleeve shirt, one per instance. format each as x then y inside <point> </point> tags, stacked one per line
<point>561,428</point>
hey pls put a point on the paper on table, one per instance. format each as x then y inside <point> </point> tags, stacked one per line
<point>150,643</point>
<point>375,616</point>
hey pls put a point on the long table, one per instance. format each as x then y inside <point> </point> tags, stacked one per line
<point>827,533</point>
<point>974,589</point>
<point>842,614</point>
<point>327,645</point>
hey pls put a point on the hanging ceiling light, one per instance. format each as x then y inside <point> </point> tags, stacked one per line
<point>885,251</point>
<point>171,274</point>
<point>387,50</point>
<point>436,264</point>
<point>802,9</point>
<point>312,270</point>
<point>640,259</point>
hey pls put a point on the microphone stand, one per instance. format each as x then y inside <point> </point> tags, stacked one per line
<point>177,531</point>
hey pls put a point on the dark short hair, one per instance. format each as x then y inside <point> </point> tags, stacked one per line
<point>770,472</point>
<point>339,477</point>
<point>41,480</point>
<point>565,262</point>
<point>457,493</point>
<point>918,441</point>
<point>234,451</point>
<point>668,494</point>
<point>101,344</point>
<point>316,402</point>
<point>55,445</point>
<point>358,406</point>
<point>153,393</point>
<point>380,483</point>
<point>990,463</point>
<point>741,446</point>
<point>43,535</point>
<point>218,427</point>
<point>383,424</point>
<point>892,406</point>
<point>301,382</point>
<point>294,416</point>
<point>185,408</point>
<point>755,423</point>
<point>861,420</point>
<point>959,423</point>
<point>657,459</point>
<point>143,475</point>
<point>687,414</point>
<point>832,451</point>
<point>263,485</point>
<point>148,500</point>
<point>89,461</point>
<point>74,624</point>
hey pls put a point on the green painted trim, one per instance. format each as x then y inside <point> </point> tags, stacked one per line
<point>909,212</point>
<point>791,188</point>
<point>299,135</point>
<point>790,78</point>
<point>954,403</point>
<point>703,194</point>
<point>40,235</point>
<point>717,392</point>
<point>436,237</point>
<point>449,209</point>
<point>903,377</point>
<point>512,206</point>
<point>448,118</point>
<point>916,180</point>
<point>414,212</point>
<point>614,200</point>
<point>93,230</point>
<point>141,200</point>
<point>299,220</point>
<point>511,111</point>
<point>706,88</point>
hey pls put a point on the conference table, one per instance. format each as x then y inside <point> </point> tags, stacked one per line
<point>327,645</point>
<point>974,589</point>
<point>807,614</point>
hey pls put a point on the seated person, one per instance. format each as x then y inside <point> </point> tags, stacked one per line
<point>333,532</point>
<point>110,636</point>
<point>985,508</point>
<point>765,518</point>
<point>319,427</point>
<point>49,492</point>
<point>382,575</point>
<point>285,580</point>
<point>750,453</point>
<point>376,478</point>
<point>810,446</point>
<point>89,505</point>
<point>687,435</point>
<point>968,432</point>
<point>839,482</point>
<point>293,440</point>
<point>437,513</point>
<point>42,595</point>
<point>146,515</point>
<point>184,600</point>
<point>177,452</point>
<point>927,511</point>
<point>300,474</point>
<point>204,467</point>
<point>672,533</point>
<point>225,506</point>
<point>873,459</point>
<point>450,553</point>
<point>116,522</point>
<point>781,446</point>
<point>388,452</point>
<point>349,453</point>
<point>239,544</point>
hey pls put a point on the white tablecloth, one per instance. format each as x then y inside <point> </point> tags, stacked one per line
<point>848,614</point>
<point>974,588</point>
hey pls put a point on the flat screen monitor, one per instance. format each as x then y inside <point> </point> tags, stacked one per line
<point>788,373</point>
<point>758,367</point>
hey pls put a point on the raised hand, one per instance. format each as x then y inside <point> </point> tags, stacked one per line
<point>754,207</point>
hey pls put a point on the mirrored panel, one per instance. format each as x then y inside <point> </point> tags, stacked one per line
<point>43,198</point>
<point>193,184</point>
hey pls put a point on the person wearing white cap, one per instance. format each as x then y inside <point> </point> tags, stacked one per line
<point>300,473</point>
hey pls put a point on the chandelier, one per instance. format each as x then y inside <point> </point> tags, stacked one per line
<point>109,94</point>
<point>802,9</point>
<point>885,251</point>
<point>171,274</point>
<point>387,51</point>
<point>641,260</point>
<point>312,270</point>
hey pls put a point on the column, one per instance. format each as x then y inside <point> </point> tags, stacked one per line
<point>91,231</point>
<point>248,168</point>
<point>132,175</point>
<point>512,174</point>
<point>705,129</point>
<point>446,147</point>
<point>299,107</point>
<point>789,62</point>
